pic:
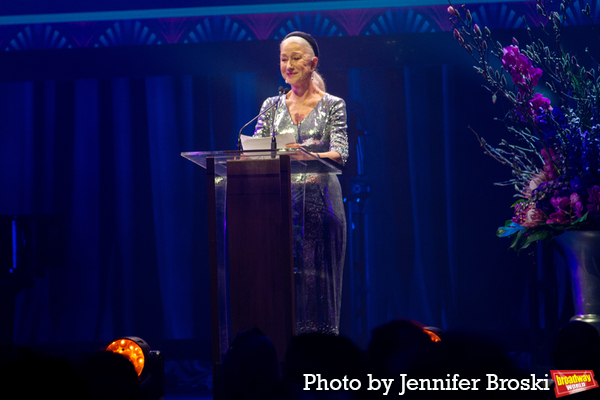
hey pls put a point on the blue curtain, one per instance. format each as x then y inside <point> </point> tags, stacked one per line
<point>104,155</point>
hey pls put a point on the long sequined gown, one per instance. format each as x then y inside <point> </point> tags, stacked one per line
<point>319,254</point>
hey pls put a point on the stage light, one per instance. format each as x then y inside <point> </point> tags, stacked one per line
<point>134,349</point>
<point>149,364</point>
<point>433,333</point>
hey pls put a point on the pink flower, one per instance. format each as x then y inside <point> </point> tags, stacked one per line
<point>594,194</point>
<point>519,66</point>
<point>533,217</point>
<point>458,37</point>
<point>561,203</point>
<point>520,212</point>
<point>594,200</point>
<point>534,183</point>
<point>527,215</point>
<point>539,104</point>
<point>558,218</point>
<point>567,209</point>
<point>576,204</point>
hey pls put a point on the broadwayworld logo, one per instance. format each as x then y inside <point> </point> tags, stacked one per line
<point>569,382</point>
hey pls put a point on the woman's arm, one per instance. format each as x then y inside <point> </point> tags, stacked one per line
<point>334,155</point>
<point>338,136</point>
<point>264,122</point>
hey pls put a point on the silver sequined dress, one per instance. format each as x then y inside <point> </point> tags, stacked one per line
<point>319,254</point>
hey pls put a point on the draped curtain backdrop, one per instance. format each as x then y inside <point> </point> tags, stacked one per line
<point>104,155</point>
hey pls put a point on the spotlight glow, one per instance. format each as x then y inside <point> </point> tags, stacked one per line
<point>434,337</point>
<point>131,350</point>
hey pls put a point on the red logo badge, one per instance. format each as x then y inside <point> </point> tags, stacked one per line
<point>569,382</point>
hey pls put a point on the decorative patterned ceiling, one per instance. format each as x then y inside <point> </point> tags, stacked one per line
<point>265,26</point>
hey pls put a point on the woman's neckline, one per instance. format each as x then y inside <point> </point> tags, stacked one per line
<point>307,115</point>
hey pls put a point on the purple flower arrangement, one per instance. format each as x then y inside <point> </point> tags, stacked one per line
<point>556,160</point>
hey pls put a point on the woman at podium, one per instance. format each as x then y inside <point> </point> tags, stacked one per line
<point>318,122</point>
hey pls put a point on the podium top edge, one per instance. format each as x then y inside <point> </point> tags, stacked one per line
<point>223,156</point>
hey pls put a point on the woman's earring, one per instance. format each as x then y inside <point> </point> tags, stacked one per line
<point>312,76</point>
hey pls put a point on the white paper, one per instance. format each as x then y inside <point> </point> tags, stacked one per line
<point>264,143</point>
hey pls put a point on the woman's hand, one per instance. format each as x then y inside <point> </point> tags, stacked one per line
<point>300,155</point>
<point>297,146</point>
<point>333,155</point>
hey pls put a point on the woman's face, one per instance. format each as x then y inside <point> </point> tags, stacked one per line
<point>295,64</point>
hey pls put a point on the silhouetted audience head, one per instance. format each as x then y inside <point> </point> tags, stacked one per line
<point>473,354</point>
<point>110,376</point>
<point>250,367</point>
<point>330,355</point>
<point>26,374</point>
<point>399,346</point>
<point>326,355</point>
<point>577,347</point>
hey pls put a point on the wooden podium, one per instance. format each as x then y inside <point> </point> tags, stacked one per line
<point>255,214</point>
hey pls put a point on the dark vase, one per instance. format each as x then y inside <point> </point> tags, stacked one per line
<point>582,252</point>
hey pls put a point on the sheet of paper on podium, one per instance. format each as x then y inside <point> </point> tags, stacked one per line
<point>264,143</point>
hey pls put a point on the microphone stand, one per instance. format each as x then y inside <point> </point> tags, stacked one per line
<point>282,91</point>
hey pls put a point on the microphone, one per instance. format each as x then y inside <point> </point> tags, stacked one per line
<point>282,91</point>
